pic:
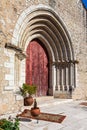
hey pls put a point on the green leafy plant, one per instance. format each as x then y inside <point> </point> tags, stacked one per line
<point>27,89</point>
<point>9,125</point>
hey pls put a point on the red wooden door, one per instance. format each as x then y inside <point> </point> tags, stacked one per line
<point>36,67</point>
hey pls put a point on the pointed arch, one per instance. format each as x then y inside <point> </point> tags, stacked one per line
<point>43,23</point>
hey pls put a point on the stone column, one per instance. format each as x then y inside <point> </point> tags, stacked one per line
<point>72,75</point>
<point>67,83</point>
<point>56,87</point>
<point>75,79</point>
<point>70,79</point>
<point>60,78</point>
<point>62,82</point>
<point>51,75</point>
<point>64,78</point>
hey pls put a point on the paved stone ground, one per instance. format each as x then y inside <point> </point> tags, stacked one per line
<point>76,115</point>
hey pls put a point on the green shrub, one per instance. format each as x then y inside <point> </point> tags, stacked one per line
<point>9,125</point>
<point>28,89</point>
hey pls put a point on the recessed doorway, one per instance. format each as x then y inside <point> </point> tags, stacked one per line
<point>37,67</point>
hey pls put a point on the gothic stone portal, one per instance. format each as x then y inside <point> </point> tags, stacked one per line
<point>36,67</point>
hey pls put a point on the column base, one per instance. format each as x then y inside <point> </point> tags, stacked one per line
<point>50,92</point>
<point>62,95</point>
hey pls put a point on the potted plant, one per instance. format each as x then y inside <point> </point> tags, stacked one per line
<point>35,111</point>
<point>27,91</point>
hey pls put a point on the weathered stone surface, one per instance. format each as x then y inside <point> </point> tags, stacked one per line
<point>71,13</point>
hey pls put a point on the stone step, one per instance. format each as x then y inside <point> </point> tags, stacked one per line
<point>47,101</point>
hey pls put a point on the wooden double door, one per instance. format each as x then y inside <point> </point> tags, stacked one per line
<point>37,67</point>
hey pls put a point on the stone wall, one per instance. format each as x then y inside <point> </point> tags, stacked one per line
<point>73,16</point>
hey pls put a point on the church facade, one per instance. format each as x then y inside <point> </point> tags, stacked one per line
<point>42,43</point>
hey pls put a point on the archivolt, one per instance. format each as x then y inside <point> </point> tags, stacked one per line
<point>44,22</point>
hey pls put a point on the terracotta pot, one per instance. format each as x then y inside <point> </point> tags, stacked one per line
<point>28,101</point>
<point>35,111</point>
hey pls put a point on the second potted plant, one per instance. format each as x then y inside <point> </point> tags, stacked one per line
<point>27,91</point>
<point>35,111</point>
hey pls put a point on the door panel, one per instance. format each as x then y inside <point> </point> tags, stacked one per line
<point>36,67</point>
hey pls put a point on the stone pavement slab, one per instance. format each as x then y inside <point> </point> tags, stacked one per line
<point>76,116</point>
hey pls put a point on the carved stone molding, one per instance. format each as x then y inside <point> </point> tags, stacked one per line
<point>19,52</point>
